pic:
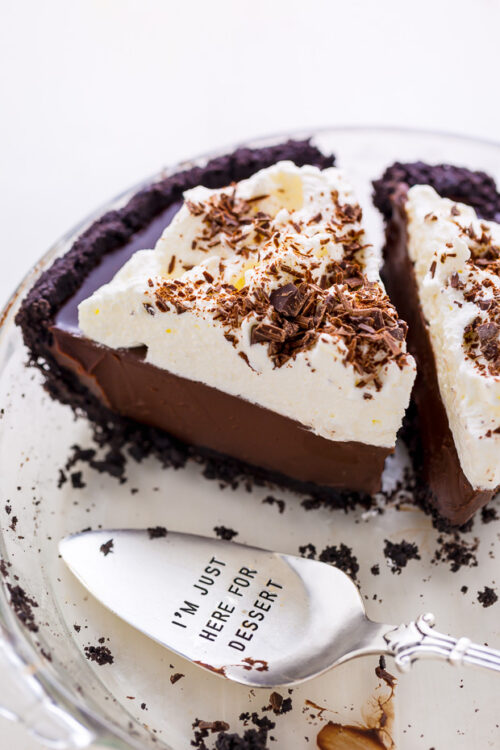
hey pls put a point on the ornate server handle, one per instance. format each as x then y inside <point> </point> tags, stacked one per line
<point>23,699</point>
<point>418,640</point>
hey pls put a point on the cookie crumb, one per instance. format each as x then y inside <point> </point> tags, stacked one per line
<point>100,654</point>
<point>399,554</point>
<point>77,480</point>
<point>487,596</point>
<point>223,532</point>
<point>107,547</point>
<point>270,500</point>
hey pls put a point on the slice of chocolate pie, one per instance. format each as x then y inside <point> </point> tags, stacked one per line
<point>442,269</point>
<point>256,332</point>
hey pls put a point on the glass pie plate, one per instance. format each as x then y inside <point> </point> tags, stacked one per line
<point>68,701</point>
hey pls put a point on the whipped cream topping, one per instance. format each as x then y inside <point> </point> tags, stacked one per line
<point>268,290</point>
<point>456,259</point>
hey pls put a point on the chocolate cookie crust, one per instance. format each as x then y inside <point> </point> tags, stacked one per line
<point>460,184</point>
<point>113,230</point>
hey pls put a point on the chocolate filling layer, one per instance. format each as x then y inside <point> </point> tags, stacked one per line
<point>206,417</point>
<point>449,489</point>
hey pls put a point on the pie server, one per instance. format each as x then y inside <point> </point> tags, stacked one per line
<point>257,617</point>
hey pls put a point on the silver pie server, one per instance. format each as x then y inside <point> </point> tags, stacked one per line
<point>260,618</point>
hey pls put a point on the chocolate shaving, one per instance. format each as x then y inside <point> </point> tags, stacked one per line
<point>487,331</point>
<point>287,300</point>
<point>267,332</point>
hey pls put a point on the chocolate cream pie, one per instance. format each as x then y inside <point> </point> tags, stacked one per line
<point>233,313</point>
<point>442,265</point>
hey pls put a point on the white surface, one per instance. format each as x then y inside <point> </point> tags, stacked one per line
<point>96,94</point>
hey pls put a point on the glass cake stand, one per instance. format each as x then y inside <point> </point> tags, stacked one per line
<point>70,702</point>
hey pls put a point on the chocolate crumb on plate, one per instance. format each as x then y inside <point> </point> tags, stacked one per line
<point>487,596</point>
<point>375,570</point>
<point>278,704</point>
<point>176,677</point>
<point>270,500</point>
<point>225,533</point>
<point>157,532</point>
<point>100,654</point>
<point>113,462</point>
<point>399,553</point>
<point>62,479</point>
<point>342,557</point>
<point>489,514</point>
<point>77,481</point>
<point>107,547</point>
<point>4,567</point>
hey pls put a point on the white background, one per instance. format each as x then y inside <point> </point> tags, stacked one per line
<point>97,94</point>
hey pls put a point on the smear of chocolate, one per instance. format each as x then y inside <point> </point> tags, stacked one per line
<point>335,736</point>
<point>223,532</point>
<point>399,553</point>
<point>107,547</point>
<point>384,675</point>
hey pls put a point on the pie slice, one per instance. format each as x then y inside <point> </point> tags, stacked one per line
<point>245,323</point>
<point>442,266</point>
